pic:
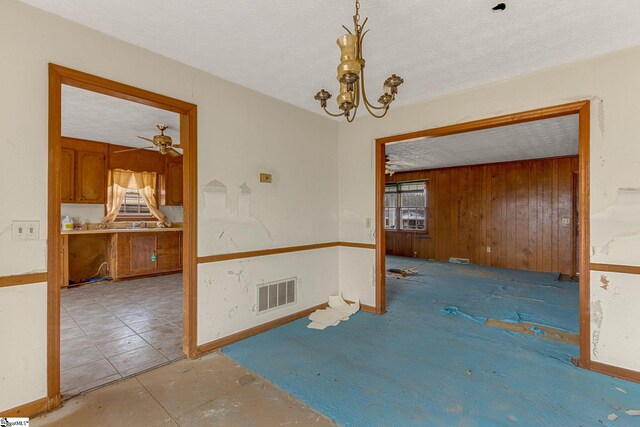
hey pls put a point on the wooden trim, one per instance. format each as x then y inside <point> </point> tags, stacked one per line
<point>582,108</point>
<point>584,138</point>
<point>22,279</point>
<point>614,268</point>
<point>381,291</point>
<point>492,122</point>
<point>357,245</point>
<point>189,132</point>
<point>615,371</point>
<point>58,76</point>
<point>277,251</point>
<point>54,241</point>
<point>239,336</point>
<point>28,409</point>
<point>104,86</point>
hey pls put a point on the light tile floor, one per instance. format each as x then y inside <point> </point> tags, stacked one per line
<point>112,330</point>
<point>212,390</point>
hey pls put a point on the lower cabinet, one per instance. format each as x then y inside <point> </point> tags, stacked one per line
<point>145,253</point>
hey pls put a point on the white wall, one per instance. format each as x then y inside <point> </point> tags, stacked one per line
<point>88,212</point>
<point>240,133</point>
<point>611,82</point>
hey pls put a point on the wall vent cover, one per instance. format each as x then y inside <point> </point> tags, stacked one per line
<point>274,295</point>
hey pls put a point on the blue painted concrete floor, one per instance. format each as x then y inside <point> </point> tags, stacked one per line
<point>415,366</point>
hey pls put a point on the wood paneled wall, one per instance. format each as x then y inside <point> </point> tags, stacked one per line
<point>515,209</point>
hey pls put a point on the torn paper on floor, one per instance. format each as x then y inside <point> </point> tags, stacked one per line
<point>338,310</point>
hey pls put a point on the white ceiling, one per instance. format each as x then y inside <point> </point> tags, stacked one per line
<point>97,117</point>
<point>530,140</point>
<point>286,48</point>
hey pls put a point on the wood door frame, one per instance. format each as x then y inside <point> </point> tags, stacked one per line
<point>583,109</point>
<point>59,75</point>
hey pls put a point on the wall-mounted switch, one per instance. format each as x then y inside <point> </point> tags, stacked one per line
<point>265,177</point>
<point>25,230</point>
<point>488,249</point>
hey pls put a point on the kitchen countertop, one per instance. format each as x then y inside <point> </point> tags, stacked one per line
<point>121,230</point>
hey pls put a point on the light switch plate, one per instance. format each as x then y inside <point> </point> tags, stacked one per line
<point>25,230</point>
<point>265,178</point>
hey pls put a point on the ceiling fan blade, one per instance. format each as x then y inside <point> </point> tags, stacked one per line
<point>177,146</point>
<point>134,149</point>
<point>147,139</point>
<point>172,152</point>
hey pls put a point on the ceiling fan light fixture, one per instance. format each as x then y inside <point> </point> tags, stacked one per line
<point>350,74</point>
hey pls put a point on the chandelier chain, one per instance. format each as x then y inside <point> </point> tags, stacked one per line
<point>357,16</point>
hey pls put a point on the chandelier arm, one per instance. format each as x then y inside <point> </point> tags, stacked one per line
<point>353,117</point>
<point>377,116</point>
<point>332,114</point>
<point>364,96</point>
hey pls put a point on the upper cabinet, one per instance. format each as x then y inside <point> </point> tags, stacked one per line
<point>67,174</point>
<point>83,172</point>
<point>172,185</point>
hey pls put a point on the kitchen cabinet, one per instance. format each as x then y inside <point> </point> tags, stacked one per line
<point>144,253</point>
<point>83,172</point>
<point>67,173</point>
<point>91,184</point>
<point>173,184</point>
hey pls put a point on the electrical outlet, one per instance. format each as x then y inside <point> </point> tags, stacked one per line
<point>367,222</point>
<point>488,249</point>
<point>565,221</point>
<point>25,230</point>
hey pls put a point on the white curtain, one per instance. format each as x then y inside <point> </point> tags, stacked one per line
<point>119,182</point>
<point>145,183</point>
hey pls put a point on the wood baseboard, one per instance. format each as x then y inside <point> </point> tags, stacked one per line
<point>239,336</point>
<point>28,409</point>
<point>613,371</point>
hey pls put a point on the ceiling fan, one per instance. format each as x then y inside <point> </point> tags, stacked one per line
<point>390,162</point>
<point>162,142</point>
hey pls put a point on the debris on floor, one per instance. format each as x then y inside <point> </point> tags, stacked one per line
<point>402,273</point>
<point>612,417</point>
<point>632,412</point>
<point>562,277</point>
<point>337,311</point>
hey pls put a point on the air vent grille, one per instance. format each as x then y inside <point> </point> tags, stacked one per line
<point>276,294</point>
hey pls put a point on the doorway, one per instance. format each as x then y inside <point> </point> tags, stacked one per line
<point>59,157</point>
<point>581,109</point>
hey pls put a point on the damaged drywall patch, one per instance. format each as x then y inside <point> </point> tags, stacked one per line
<point>615,232</point>
<point>596,310</point>
<point>604,282</point>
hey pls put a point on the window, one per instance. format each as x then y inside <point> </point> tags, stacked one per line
<point>405,206</point>
<point>133,205</point>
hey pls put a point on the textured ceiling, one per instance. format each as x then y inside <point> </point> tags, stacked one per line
<point>531,140</point>
<point>286,48</point>
<point>97,117</point>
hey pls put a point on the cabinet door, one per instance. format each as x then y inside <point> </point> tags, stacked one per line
<point>143,254</point>
<point>169,253</point>
<point>67,172</point>
<point>90,177</point>
<point>173,184</point>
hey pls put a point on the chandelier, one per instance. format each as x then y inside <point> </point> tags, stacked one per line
<point>351,77</point>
